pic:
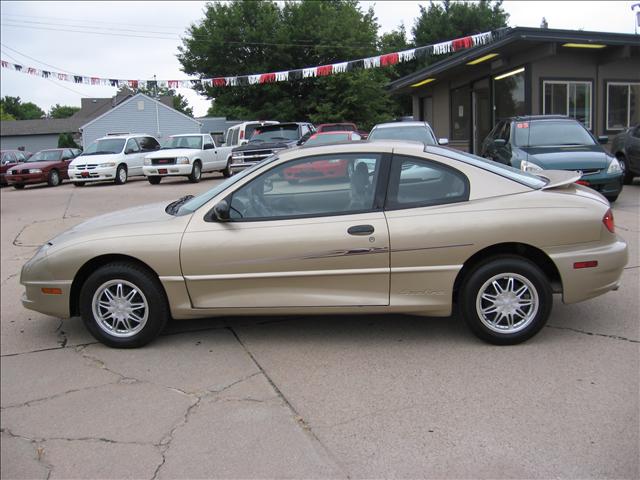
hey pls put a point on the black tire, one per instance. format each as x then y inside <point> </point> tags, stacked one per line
<point>122,175</point>
<point>227,172</point>
<point>479,281</point>
<point>612,198</point>
<point>54,178</point>
<point>196,172</point>
<point>627,178</point>
<point>149,292</point>
<point>18,186</point>
<point>155,180</point>
<point>79,184</point>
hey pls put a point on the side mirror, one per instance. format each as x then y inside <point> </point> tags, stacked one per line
<point>603,139</point>
<point>208,146</point>
<point>221,211</point>
<point>443,141</point>
<point>499,142</point>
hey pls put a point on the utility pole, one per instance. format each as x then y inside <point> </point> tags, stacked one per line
<point>633,9</point>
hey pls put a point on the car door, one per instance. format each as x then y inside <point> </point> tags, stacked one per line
<point>502,151</point>
<point>210,154</point>
<point>134,157</point>
<point>427,240</point>
<point>633,148</point>
<point>317,243</point>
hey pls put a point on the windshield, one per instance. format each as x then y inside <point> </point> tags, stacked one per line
<point>46,156</point>
<point>338,127</point>
<point>417,134</point>
<point>551,133</point>
<point>104,146</point>
<point>196,202</point>
<point>194,141</point>
<point>327,139</point>
<point>271,133</point>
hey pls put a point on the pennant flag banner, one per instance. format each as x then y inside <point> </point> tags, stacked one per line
<point>283,76</point>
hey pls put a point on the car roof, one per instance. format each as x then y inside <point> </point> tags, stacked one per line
<point>535,118</point>
<point>333,132</point>
<point>126,135</point>
<point>401,124</point>
<point>188,134</point>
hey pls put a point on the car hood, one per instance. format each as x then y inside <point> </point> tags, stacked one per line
<point>578,157</point>
<point>102,158</point>
<point>145,219</point>
<point>41,165</point>
<point>265,145</point>
<point>173,152</point>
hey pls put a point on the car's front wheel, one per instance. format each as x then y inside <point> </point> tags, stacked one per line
<point>54,178</point>
<point>227,172</point>
<point>627,177</point>
<point>196,172</point>
<point>506,300</point>
<point>155,180</point>
<point>121,175</point>
<point>79,184</point>
<point>123,305</point>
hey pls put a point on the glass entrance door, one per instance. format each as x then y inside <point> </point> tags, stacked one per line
<point>481,117</point>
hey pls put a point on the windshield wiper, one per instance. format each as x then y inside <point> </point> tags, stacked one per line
<point>174,206</point>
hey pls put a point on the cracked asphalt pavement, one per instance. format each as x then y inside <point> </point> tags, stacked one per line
<point>310,397</point>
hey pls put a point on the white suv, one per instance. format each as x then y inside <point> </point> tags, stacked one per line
<point>241,133</point>
<point>113,158</point>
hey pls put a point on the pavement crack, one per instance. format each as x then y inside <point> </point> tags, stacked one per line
<point>64,215</point>
<point>62,336</point>
<point>38,350</point>
<point>38,447</point>
<point>594,334</point>
<point>14,275</point>
<point>633,266</point>
<point>296,415</point>
<point>52,397</point>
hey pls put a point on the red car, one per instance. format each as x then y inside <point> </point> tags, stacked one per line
<point>46,166</point>
<point>341,127</point>
<point>9,158</point>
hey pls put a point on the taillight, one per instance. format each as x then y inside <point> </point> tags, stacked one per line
<point>608,221</point>
<point>241,134</point>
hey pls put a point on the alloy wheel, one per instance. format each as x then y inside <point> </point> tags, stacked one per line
<point>120,308</point>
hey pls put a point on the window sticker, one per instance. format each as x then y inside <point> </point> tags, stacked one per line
<point>522,125</point>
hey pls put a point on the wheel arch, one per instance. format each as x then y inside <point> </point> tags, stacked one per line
<point>95,263</point>
<point>523,250</point>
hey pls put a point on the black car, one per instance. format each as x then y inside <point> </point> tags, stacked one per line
<point>626,148</point>
<point>268,139</point>
<point>554,142</point>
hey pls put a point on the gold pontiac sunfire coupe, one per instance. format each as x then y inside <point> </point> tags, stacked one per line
<point>405,228</point>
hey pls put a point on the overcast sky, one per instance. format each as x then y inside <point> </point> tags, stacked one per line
<point>136,40</point>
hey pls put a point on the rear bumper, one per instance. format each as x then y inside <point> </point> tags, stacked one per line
<point>584,283</point>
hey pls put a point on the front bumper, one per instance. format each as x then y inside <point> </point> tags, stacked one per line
<point>98,174</point>
<point>584,283</point>
<point>26,178</point>
<point>167,170</point>
<point>608,184</point>
<point>36,276</point>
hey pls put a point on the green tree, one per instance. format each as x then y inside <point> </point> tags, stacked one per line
<point>246,37</point>
<point>65,140</point>
<point>62,111</point>
<point>21,111</point>
<point>447,20</point>
<point>4,116</point>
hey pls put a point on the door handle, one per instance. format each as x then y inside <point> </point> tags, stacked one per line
<point>361,230</point>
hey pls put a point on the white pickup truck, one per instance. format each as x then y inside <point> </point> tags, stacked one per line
<point>188,155</point>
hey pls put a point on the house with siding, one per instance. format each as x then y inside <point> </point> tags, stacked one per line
<point>593,77</point>
<point>139,114</point>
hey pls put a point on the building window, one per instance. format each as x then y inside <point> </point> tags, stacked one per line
<point>509,94</point>
<point>623,105</point>
<point>568,98</point>
<point>460,110</point>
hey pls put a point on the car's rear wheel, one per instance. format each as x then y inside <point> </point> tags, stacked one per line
<point>121,175</point>
<point>227,172</point>
<point>612,198</point>
<point>506,300</point>
<point>79,184</point>
<point>627,177</point>
<point>123,305</point>
<point>54,178</point>
<point>196,172</point>
<point>155,180</point>
<point>18,186</point>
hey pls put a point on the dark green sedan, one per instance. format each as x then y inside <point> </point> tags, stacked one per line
<point>552,142</point>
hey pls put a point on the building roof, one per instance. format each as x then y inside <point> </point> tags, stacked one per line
<point>511,40</point>
<point>131,98</point>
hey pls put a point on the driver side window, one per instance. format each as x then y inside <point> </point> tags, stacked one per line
<point>132,146</point>
<point>317,186</point>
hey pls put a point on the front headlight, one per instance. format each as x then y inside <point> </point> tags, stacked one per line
<point>614,166</point>
<point>107,164</point>
<point>527,166</point>
<point>236,155</point>
<point>35,170</point>
<point>147,161</point>
<point>10,172</point>
<point>182,160</point>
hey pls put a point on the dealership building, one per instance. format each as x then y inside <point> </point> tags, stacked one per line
<point>593,77</point>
